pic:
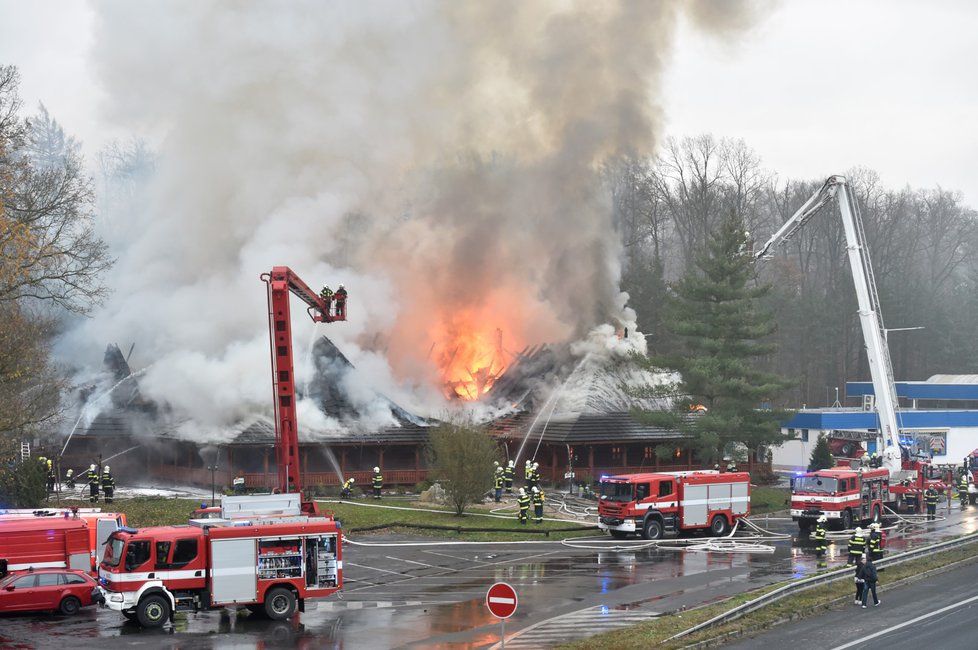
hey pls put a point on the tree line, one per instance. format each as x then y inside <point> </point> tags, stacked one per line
<point>923,244</point>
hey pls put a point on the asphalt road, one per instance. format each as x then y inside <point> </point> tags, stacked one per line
<point>431,595</point>
<point>938,612</point>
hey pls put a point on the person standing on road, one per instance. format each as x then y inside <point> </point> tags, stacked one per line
<point>930,498</point>
<point>857,547</point>
<point>524,503</point>
<point>819,536</point>
<point>498,484</point>
<point>860,582</point>
<point>870,578</point>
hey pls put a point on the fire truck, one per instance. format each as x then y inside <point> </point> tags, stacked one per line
<point>263,554</point>
<point>905,480</point>
<point>269,553</point>
<point>844,495</point>
<point>658,503</point>
<point>100,524</point>
<point>44,543</point>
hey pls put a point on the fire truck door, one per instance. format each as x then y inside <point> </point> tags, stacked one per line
<point>234,571</point>
<point>79,555</point>
<point>865,499</point>
<point>104,528</point>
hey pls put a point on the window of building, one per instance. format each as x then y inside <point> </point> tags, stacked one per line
<point>804,435</point>
<point>616,454</point>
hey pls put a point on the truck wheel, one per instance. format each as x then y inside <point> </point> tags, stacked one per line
<point>719,526</point>
<point>152,611</point>
<point>618,534</point>
<point>846,519</point>
<point>69,606</point>
<point>280,604</point>
<point>652,529</point>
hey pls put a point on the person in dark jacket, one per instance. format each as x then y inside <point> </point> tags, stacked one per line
<point>868,573</point>
<point>860,581</point>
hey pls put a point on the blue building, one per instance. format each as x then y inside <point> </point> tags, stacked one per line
<point>940,413</point>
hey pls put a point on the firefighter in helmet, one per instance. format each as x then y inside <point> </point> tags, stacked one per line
<point>818,535</point>
<point>857,546</point>
<point>497,484</point>
<point>378,480</point>
<point>508,475</point>
<point>963,490</point>
<point>347,490</point>
<point>51,478</point>
<point>930,498</point>
<point>524,503</point>
<point>874,546</point>
<point>340,302</point>
<point>537,505</point>
<point>70,479</point>
<point>93,481</point>
<point>108,484</point>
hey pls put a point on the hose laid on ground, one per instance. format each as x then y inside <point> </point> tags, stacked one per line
<point>435,510</point>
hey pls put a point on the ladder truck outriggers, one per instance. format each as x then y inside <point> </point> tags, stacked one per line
<point>269,553</point>
<point>861,496</point>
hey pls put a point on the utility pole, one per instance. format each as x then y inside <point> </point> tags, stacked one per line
<point>213,469</point>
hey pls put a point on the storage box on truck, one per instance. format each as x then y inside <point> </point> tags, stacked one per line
<point>44,543</point>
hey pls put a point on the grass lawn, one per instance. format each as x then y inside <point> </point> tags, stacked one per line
<point>765,499</point>
<point>808,603</point>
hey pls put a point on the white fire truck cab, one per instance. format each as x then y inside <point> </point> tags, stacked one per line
<point>269,563</point>
<point>653,504</point>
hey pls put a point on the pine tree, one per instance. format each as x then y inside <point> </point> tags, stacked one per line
<point>821,456</point>
<point>722,334</point>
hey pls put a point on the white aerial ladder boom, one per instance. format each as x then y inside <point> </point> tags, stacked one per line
<point>874,335</point>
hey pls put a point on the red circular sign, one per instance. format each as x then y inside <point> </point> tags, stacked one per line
<point>501,600</point>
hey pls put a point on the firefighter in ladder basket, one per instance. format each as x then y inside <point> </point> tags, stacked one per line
<point>340,296</point>
<point>93,480</point>
<point>378,480</point>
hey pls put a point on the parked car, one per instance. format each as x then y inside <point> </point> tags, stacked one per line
<point>55,590</point>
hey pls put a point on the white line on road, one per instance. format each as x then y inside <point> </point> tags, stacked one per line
<point>400,559</point>
<point>373,568</point>
<point>864,639</point>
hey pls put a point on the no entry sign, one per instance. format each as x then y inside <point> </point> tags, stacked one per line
<point>501,600</point>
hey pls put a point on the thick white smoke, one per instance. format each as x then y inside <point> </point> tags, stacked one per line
<point>440,159</point>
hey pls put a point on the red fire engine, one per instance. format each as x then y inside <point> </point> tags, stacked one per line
<point>44,543</point>
<point>268,563</point>
<point>654,504</point>
<point>844,495</point>
<point>267,552</point>
<point>100,524</point>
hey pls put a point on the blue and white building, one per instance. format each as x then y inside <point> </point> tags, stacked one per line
<point>944,408</point>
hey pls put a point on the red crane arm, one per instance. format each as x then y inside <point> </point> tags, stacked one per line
<point>282,281</point>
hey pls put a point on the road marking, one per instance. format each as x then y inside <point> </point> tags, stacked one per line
<point>373,568</point>
<point>575,625</point>
<point>862,640</point>
<point>432,566</point>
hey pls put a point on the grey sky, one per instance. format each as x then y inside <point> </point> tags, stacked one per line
<point>816,88</point>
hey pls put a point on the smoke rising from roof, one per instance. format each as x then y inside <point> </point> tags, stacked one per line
<point>441,159</point>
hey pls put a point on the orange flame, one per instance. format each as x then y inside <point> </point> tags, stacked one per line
<point>470,358</point>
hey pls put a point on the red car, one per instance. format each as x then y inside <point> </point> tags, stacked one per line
<point>55,590</point>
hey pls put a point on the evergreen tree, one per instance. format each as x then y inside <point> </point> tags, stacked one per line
<point>722,334</point>
<point>821,456</point>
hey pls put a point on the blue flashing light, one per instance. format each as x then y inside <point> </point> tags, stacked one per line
<point>604,478</point>
<point>604,610</point>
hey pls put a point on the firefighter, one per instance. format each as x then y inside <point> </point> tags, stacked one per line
<point>535,468</point>
<point>70,479</point>
<point>347,490</point>
<point>528,474</point>
<point>731,466</point>
<point>930,498</point>
<point>523,500</point>
<point>497,484</point>
<point>108,484</point>
<point>508,475</point>
<point>93,478</point>
<point>378,480</point>
<point>238,484</point>
<point>50,476</point>
<point>857,546</point>
<point>537,505</point>
<point>875,543</point>
<point>963,490</point>
<point>341,302</point>
<point>819,536</point>
<point>327,295</point>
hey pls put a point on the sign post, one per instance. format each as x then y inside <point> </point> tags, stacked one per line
<point>501,600</point>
